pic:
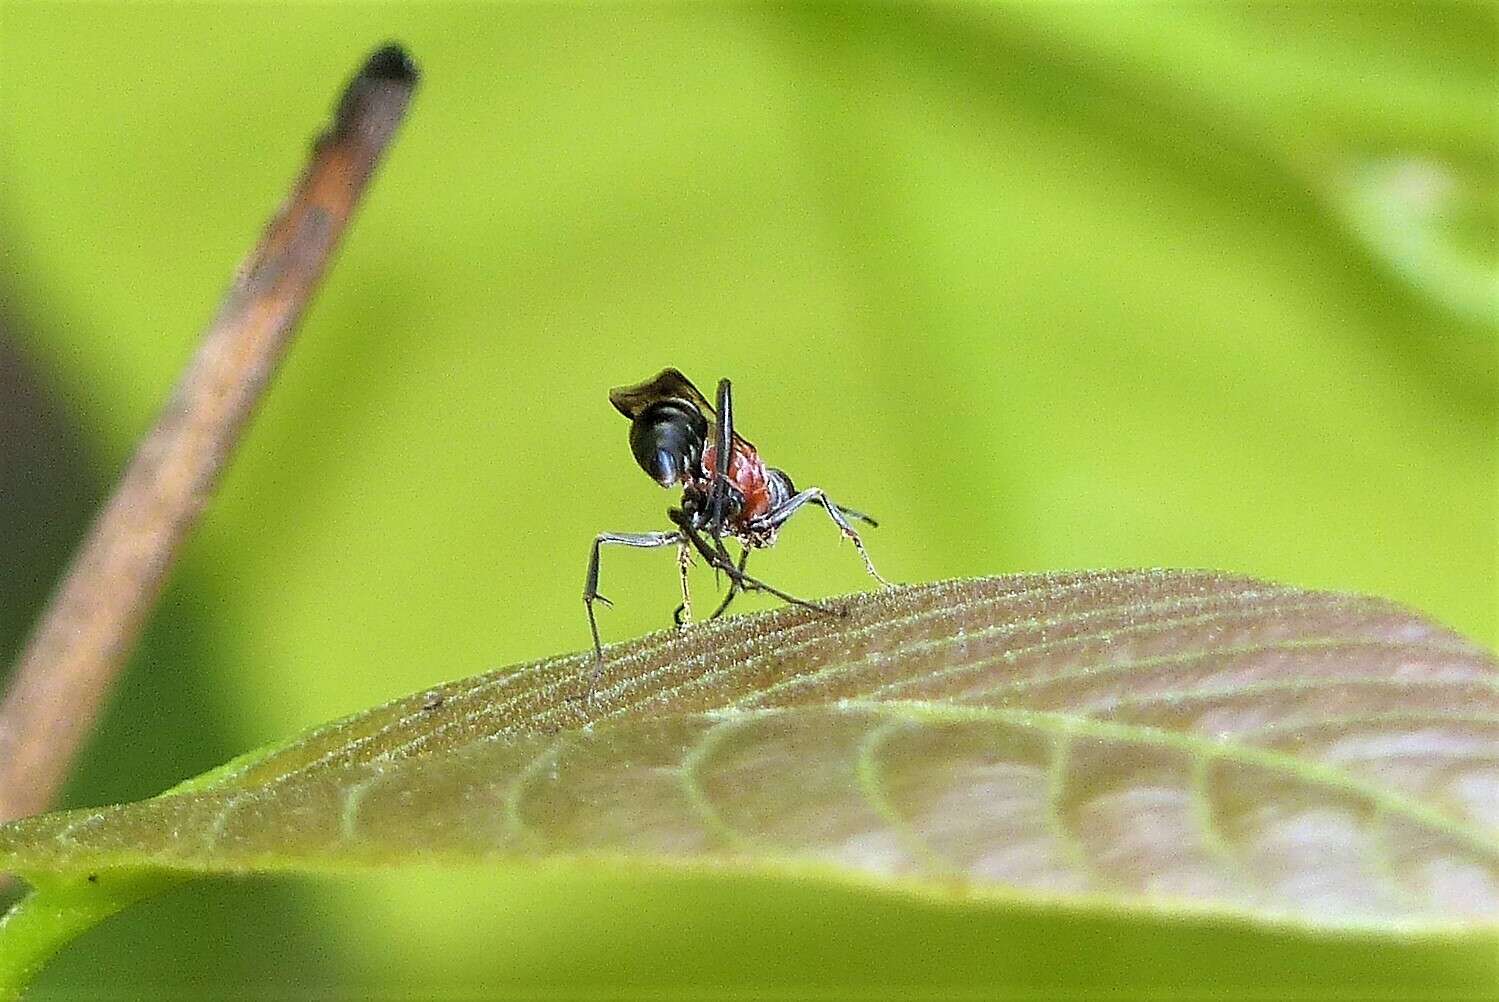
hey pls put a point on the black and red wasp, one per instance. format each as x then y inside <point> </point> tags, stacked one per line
<point>727,491</point>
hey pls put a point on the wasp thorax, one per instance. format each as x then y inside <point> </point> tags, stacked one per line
<point>667,440</point>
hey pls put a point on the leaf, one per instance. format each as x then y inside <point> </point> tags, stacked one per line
<point>1432,223</point>
<point>1167,741</point>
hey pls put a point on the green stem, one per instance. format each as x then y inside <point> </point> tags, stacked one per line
<point>54,912</point>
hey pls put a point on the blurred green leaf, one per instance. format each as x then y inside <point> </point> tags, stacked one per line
<point>1434,224</point>
<point>1182,744</point>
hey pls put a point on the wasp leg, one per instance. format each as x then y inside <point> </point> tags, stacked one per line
<point>733,586</point>
<point>776,518</point>
<point>683,614</point>
<point>724,555</point>
<point>851,513</point>
<point>747,582</point>
<point>644,540</point>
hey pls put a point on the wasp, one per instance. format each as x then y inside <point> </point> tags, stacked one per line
<point>728,492</point>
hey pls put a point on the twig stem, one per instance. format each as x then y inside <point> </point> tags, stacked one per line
<point>93,621</point>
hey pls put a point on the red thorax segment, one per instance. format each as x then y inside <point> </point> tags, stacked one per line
<point>746,473</point>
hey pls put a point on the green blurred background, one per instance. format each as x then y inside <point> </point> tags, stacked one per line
<point>1042,286</point>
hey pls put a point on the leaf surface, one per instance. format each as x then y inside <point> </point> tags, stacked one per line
<point>1177,742</point>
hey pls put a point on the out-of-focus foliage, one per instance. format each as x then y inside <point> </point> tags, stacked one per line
<point>1042,286</point>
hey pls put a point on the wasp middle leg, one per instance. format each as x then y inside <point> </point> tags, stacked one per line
<point>682,615</point>
<point>748,582</point>
<point>733,586</point>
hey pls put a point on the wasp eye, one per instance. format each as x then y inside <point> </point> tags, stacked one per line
<point>667,440</point>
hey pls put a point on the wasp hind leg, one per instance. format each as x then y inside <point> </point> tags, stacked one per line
<point>837,513</point>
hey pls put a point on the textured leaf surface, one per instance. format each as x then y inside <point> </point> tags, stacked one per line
<point>1168,740</point>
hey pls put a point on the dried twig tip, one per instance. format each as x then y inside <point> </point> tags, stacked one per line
<point>90,627</point>
<point>390,62</point>
<point>375,100</point>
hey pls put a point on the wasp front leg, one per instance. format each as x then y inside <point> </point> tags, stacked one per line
<point>682,615</point>
<point>643,540</point>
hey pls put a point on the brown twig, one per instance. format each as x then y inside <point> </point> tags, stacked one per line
<point>93,621</point>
